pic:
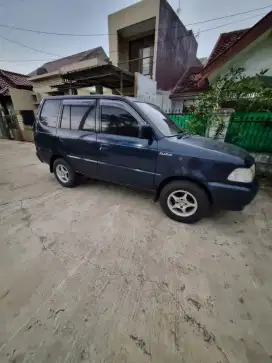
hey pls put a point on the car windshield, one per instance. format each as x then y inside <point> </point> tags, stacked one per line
<point>166,126</point>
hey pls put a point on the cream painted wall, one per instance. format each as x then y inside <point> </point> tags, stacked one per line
<point>21,99</point>
<point>134,14</point>
<point>43,85</point>
<point>254,58</point>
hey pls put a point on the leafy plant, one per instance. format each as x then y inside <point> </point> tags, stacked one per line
<point>233,90</point>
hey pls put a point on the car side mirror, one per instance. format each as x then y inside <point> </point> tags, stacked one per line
<point>146,132</point>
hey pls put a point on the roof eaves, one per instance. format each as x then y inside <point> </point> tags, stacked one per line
<point>4,91</point>
<point>7,79</point>
<point>208,66</point>
<point>45,75</point>
<point>87,53</point>
<point>180,80</point>
<point>216,44</point>
<point>231,45</point>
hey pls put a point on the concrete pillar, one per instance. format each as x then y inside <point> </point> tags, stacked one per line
<point>99,90</point>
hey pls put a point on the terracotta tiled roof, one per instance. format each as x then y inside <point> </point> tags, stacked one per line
<point>224,41</point>
<point>191,81</point>
<point>13,80</point>
<point>78,57</point>
<point>230,44</point>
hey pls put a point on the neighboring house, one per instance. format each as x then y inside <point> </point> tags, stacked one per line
<point>16,103</point>
<point>10,81</point>
<point>148,37</point>
<point>50,74</point>
<point>248,48</point>
<point>188,88</point>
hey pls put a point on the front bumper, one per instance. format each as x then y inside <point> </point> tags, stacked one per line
<point>233,197</point>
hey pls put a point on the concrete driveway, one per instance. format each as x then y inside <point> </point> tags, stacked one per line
<point>99,274</point>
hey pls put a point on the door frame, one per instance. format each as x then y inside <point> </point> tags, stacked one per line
<point>139,118</point>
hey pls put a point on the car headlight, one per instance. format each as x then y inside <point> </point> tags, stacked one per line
<point>242,175</point>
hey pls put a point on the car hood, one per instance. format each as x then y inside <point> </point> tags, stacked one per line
<point>216,146</point>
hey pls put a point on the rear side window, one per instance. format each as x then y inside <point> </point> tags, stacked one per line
<point>78,117</point>
<point>65,118</point>
<point>50,113</point>
<point>89,124</point>
<point>77,114</point>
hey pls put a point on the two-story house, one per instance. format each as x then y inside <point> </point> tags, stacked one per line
<point>148,37</point>
<point>149,48</point>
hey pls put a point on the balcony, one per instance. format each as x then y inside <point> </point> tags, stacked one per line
<point>135,45</point>
<point>142,65</point>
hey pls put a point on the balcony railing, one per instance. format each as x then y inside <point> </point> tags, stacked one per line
<point>142,65</point>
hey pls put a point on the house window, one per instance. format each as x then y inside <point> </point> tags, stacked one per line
<point>146,61</point>
<point>28,117</point>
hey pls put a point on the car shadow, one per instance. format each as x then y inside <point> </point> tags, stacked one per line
<point>116,188</point>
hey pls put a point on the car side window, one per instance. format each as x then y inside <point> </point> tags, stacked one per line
<point>78,117</point>
<point>50,113</point>
<point>77,114</point>
<point>89,123</point>
<point>65,118</point>
<point>117,120</point>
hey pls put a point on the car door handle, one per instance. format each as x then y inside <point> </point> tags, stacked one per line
<point>104,147</point>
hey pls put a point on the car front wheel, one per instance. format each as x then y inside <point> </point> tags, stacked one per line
<point>184,201</point>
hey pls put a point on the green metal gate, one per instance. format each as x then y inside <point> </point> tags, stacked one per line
<point>181,120</point>
<point>251,131</point>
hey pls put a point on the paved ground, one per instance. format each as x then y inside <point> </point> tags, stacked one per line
<point>99,274</point>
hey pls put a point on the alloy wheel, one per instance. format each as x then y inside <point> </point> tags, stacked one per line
<point>182,203</point>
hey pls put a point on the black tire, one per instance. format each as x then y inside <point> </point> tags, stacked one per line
<point>71,173</point>
<point>203,204</point>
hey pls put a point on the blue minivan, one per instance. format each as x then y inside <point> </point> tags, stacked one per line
<point>130,142</point>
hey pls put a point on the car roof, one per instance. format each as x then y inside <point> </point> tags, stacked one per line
<point>76,97</point>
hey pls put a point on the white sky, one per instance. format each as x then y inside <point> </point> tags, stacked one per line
<point>90,16</point>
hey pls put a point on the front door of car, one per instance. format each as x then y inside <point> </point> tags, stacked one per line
<point>124,157</point>
<point>77,135</point>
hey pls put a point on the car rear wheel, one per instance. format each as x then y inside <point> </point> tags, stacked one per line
<point>64,173</point>
<point>184,201</point>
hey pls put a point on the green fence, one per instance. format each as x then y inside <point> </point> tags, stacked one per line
<point>251,131</point>
<point>181,120</point>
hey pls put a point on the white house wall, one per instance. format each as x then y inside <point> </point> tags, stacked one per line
<point>254,58</point>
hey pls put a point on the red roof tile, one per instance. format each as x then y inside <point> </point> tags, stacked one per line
<point>190,82</point>
<point>14,80</point>
<point>230,44</point>
<point>224,41</point>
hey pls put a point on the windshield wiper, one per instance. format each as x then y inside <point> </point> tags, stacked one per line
<point>179,135</point>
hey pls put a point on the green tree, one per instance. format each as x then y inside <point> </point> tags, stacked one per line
<point>233,90</point>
